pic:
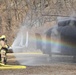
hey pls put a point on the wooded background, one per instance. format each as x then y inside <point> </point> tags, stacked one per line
<point>14,12</point>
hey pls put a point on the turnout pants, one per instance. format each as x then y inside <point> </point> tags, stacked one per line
<point>3,56</point>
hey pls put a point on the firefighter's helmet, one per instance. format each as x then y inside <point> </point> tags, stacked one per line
<point>3,36</point>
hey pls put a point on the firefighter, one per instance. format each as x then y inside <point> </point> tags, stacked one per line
<point>0,53</point>
<point>4,49</point>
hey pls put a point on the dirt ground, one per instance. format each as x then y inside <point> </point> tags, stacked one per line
<point>52,69</point>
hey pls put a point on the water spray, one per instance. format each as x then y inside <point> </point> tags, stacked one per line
<point>34,49</point>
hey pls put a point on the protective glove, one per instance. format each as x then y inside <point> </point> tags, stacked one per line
<point>10,47</point>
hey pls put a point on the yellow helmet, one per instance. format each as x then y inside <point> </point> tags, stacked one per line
<point>3,36</point>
